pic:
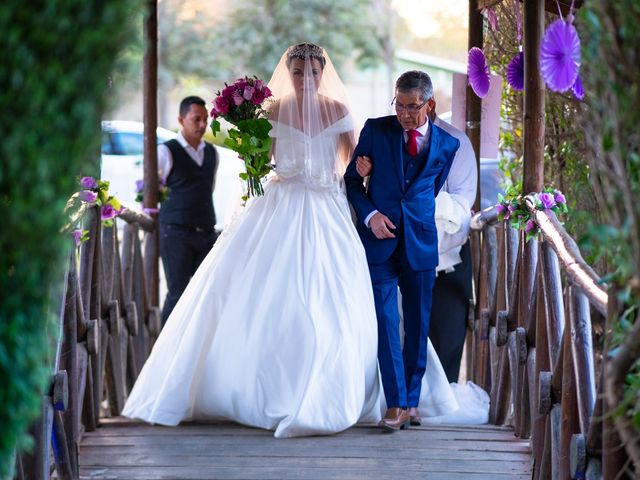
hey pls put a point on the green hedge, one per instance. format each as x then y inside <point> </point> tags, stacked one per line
<point>55,62</point>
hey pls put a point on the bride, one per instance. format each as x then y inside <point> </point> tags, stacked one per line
<point>277,328</point>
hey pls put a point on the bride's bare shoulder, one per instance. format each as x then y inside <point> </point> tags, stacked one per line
<point>334,106</point>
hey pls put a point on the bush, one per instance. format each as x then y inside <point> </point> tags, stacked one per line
<point>56,58</point>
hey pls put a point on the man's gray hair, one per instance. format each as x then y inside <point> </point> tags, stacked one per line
<point>415,80</point>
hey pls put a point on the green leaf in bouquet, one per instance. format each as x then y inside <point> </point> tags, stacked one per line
<point>215,127</point>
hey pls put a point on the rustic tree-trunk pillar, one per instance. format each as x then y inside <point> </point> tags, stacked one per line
<point>150,92</point>
<point>474,103</point>
<point>533,163</point>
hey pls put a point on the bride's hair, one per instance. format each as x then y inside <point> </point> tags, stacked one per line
<point>304,51</point>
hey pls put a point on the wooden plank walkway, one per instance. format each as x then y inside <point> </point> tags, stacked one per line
<point>121,449</point>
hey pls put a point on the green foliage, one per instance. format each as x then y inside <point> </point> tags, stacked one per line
<point>611,73</point>
<point>56,58</point>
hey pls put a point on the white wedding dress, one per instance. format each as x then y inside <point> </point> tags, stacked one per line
<point>277,329</point>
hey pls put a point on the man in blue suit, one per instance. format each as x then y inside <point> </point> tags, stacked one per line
<point>411,158</point>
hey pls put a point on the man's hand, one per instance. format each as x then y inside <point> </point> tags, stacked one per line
<point>381,226</point>
<point>363,166</point>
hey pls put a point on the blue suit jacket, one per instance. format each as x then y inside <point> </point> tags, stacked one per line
<point>410,206</point>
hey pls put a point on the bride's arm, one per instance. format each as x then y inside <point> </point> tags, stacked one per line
<point>272,114</point>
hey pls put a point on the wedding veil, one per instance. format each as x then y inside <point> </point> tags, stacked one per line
<point>312,127</point>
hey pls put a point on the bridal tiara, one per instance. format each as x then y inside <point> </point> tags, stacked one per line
<point>306,50</point>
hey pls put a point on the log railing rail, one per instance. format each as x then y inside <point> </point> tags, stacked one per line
<point>106,329</point>
<point>532,343</point>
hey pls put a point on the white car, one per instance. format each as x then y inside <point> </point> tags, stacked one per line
<point>122,164</point>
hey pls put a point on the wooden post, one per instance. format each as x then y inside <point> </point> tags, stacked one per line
<point>533,163</point>
<point>474,103</point>
<point>150,93</point>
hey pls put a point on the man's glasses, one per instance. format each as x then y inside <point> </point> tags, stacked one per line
<point>408,108</point>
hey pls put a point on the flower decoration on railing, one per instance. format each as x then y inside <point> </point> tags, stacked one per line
<point>92,193</point>
<point>242,105</point>
<point>163,194</point>
<point>512,207</point>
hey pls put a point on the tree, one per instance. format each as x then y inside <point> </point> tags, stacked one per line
<point>56,59</point>
<point>259,31</point>
<point>611,74</point>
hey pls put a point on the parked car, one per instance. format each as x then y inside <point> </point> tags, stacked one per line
<point>122,164</point>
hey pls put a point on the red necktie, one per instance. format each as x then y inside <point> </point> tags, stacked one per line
<point>412,142</point>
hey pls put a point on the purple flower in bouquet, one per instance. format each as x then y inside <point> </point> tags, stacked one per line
<point>88,196</point>
<point>559,197</point>
<point>88,182</point>
<point>547,200</point>
<point>501,209</point>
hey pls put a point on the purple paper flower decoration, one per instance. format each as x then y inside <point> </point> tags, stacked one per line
<point>139,186</point>
<point>88,182</point>
<point>560,56</point>
<point>577,89</point>
<point>547,200</point>
<point>478,72</point>
<point>88,196</point>
<point>515,72</point>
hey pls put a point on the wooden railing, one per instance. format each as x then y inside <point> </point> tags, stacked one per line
<point>532,343</point>
<point>106,330</point>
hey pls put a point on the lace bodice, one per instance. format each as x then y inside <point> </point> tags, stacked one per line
<point>311,159</point>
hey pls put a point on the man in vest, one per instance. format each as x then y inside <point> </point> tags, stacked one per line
<point>188,165</point>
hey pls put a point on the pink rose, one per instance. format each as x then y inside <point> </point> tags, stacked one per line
<point>237,99</point>
<point>248,92</point>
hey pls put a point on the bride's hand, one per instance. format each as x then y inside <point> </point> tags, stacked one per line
<point>364,166</point>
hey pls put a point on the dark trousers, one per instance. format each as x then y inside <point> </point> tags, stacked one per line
<point>182,250</point>
<point>402,367</point>
<point>449,311</point>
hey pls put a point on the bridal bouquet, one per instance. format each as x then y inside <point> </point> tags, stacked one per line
<point>242,105</point>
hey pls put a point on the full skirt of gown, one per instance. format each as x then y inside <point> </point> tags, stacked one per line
<point>277,328</point>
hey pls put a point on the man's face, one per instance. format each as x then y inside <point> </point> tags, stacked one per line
<point>194,123</point>
<point>411,110</point>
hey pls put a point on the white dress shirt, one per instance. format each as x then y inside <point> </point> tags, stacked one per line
<point>165,159</point>
<point>453,209</point>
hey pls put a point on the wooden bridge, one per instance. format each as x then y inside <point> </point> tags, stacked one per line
<point>539,313</point>
<point>530,344</point>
